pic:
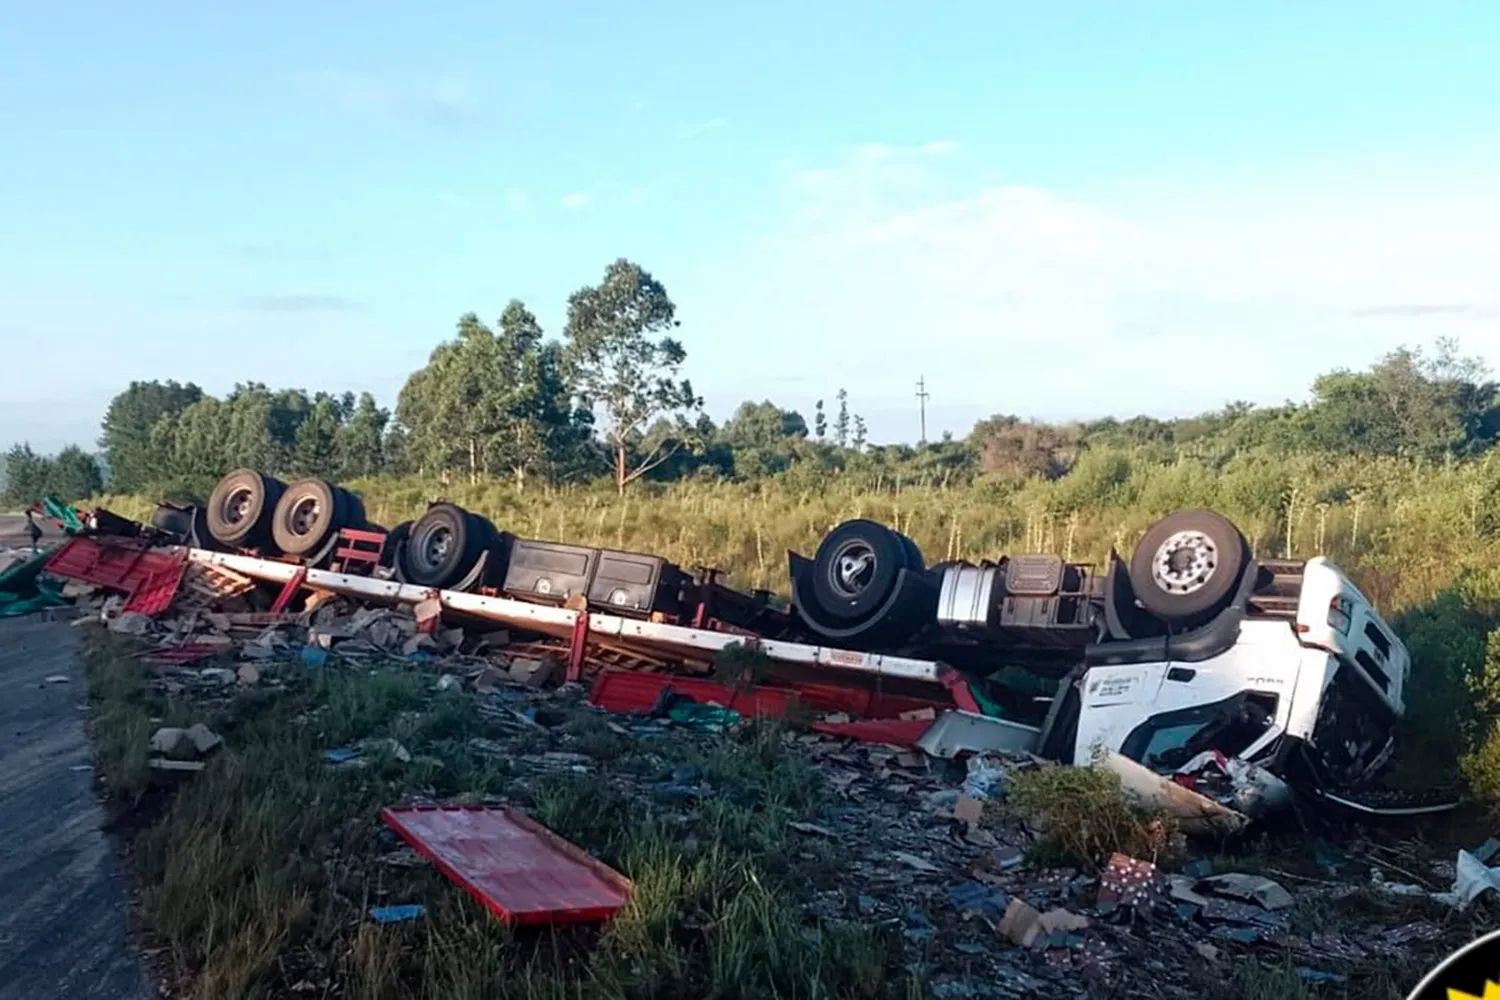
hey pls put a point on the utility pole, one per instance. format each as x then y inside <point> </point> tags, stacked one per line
<point>922,395</point>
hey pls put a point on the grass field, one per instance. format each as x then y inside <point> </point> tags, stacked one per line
<point>255,874</point>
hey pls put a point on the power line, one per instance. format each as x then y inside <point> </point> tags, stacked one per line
<point>922,395</point>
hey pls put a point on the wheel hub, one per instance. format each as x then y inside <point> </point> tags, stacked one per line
<point>436,545</point>
<point>853,569</point>
<point>305,515</point>
<point>1185,562</point>
<point>237,506</point>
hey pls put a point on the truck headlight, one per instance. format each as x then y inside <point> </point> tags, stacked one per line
<point>1338,615</point>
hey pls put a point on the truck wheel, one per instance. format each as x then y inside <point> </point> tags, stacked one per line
<point>855,568</point>
<point>1187,565</point>
<point>442,546</point>
<point>354,510</point>
<point>914,558</point>
<point>173,520</point>
<point>393,540</point>
<point>241,506</point>
<point>310,512</point>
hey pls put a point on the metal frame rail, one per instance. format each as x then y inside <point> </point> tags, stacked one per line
<point>580,626</point>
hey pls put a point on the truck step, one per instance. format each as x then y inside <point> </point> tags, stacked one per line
<point>1272,606</point>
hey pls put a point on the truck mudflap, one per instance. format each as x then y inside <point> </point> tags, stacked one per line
<point>1388,803</point>
<point>956,731</point>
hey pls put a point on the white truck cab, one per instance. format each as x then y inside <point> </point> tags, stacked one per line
<point>1315,696</point>
<point>1193,646</point>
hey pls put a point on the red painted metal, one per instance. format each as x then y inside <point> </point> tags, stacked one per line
<point>518,869</point>
<point>149,578</point>
<point>155,594</point>
<point>958,687</point>
<point>289,590</point>
<point>625,691</point>
<point>353,553</point>
<point>117,566</point>
<point>578,646</point>
<point>181,655</point>
<point>632,691</point>
<point>897,732</point>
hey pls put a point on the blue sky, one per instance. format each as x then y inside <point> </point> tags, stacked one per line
<point>1058,210</point>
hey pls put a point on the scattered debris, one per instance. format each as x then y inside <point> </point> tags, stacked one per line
<point>396,914</point>
<point>1250,888</point>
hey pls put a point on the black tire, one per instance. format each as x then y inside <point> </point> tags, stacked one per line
<point>443,545</point>
<point>855,568</point>
<point>393,541</point>
<point>914,559</point>
<point>310,512</point>
<point>241,507</point>
<point>176,521</point>
<point>354,510</point>
<point>1187,565</point>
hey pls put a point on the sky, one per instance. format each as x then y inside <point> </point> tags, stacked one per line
<point>1060,210</point>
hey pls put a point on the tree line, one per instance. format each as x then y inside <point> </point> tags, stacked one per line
<point>608,400</point>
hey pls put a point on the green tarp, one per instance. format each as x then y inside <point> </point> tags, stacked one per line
<point>22,589</point>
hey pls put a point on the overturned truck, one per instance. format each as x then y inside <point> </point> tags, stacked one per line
<point>1192,647</point>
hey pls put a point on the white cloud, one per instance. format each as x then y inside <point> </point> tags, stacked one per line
<point>702,128</point>
<point>1026,300</point>
<point>442,100</point>
<point>575,200</point>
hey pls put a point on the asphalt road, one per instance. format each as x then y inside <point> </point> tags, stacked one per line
<point>64,905</point>
<point>13,531</point>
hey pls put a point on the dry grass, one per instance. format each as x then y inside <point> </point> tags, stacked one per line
<point>1411,530</point>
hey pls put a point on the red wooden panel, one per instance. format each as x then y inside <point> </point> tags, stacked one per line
<point>155,594</point>
<point>117,566</point>
<point>635,691</point>
<point>631,691</point>
<point>897,732</point>
<point>521,871</point>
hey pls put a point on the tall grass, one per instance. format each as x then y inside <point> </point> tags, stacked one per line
<point>1406,530</point>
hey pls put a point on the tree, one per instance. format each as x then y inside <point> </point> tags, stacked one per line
<point>859,433</point>
<point>1406,404</point>
<point>28,476</point>
<point>315,442</point>
<point>196,441</point>
<point>127,440</point>
<point>1010,447</point>
<point>538,430</point>
<point>820,421</point>
<point>358,444</point>
<point>451,406</point>
<point>488,402</point>
<point>624,364</point>
<point>763,438</point>
<point>841,422</point>
<point>75,475</point>
<point>393,449</point>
